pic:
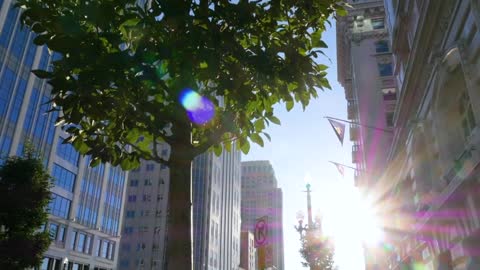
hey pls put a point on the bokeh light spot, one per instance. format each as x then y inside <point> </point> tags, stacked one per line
<point>200,110</point>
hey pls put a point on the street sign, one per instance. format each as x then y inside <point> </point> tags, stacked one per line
<point>261,231</point>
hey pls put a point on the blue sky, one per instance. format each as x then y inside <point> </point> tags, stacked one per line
<point>303,144</point>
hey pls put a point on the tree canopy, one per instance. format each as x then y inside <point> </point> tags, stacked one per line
<point>124,66</point>
<point>317,252</point>
<point>192,74</point>
<point>24,196</point>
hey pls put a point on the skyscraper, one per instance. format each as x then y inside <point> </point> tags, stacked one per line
<point>365,70</point>
<point>86,207</point>
<point>262,197</point>
<point>216,214</point>
<point>143,233</point>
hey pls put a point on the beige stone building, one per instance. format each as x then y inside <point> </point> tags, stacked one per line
<point>434,173</point>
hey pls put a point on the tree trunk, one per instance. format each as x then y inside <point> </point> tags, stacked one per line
<point>179,222</point>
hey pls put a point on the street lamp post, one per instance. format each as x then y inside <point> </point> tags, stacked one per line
<point>65,263</point>
<point>306,230</point>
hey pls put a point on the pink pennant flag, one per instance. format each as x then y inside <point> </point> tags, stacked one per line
<point>338,128</point>
<point>340,168</point>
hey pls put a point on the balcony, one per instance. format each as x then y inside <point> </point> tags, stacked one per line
<point>352,111</point>
<point>354,133</point>
<point>356,154</point>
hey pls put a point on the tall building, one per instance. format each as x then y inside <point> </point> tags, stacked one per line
<point>248,254</point>
<point>435,152</point>
<point>216,210</point>
<point>262,197</point>
<point>216,214</point>
<point>142,245</point>
<point>85,211</point>
<point>365,70</point>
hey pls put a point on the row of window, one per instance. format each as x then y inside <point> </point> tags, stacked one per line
<point>63,177</point>
<point>59,206</point>
<point>146,182</point>
<point>146,213</point>
<point>80,241</point>
<point>67,152</point>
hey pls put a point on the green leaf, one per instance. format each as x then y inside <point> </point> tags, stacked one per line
<point>80,146</point>
<point>41,39</point>
<point>289,105</point>
<point>228,146</point>
<point>274,119</point>
<point>95,162</point>
<point>245,147</point>
<point>130,22</point>
<point>256,139</point>
<point>267,136</point>
<point>342,12</point>
<point>217,149</point>
<point>259,125</point>
<point>203,65</point>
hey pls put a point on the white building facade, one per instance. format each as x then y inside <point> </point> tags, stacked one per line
<point>261,197</point>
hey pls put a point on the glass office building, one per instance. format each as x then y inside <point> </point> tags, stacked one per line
<point>86,206</point>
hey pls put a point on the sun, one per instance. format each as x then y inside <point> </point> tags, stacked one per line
<point>349,216</point>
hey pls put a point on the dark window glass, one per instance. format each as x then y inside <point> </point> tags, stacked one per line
<point>6,89</point>
<point>19,42</point>
<point>381,46</point>
<point>59,206</point>
<point>61,234</point>
<point>63,177</point>
<point>53,230</point>
<point>8,26</point>
<point>385,69</point>
<point>378,23</point>
<point>389,118</point>
<point>17,101</point>
<point>67,152</point>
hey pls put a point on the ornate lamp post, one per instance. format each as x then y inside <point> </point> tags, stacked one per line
<point>300,216</point>
<point>65,263</point>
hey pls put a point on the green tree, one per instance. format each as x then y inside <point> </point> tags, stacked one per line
<point>317,252</point>
<point>24,197</point>
<point>125,65</point>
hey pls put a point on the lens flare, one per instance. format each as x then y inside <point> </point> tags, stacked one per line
<point>200,110</point>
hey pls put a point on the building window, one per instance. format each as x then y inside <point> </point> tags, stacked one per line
<point>67,152</point>
<point>147,182</point>
<point>53,230</point>
<point>80,242</point>
<point>132,198</point>
<point>128,230</point>
<point>106,249</point>
<point>130,214</point>
<point>63,177</point>
<point>389,94</point>
<point>378,23</point>
<point>381,46</point>
<point>59,206</point>
<point>385,69</point>
<point>150,167</point>
<point>134,183</point>
<point>466,114</point>
<point>389,118</point>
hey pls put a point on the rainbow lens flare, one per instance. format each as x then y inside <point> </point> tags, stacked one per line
<point>200,110</point>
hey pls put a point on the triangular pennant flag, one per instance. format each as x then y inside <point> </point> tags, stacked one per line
<point>340,168</point>
<point>338,128</point>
